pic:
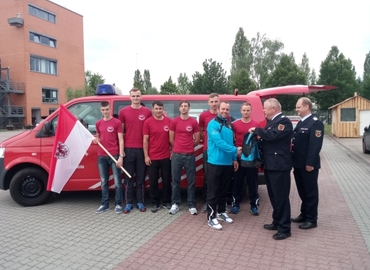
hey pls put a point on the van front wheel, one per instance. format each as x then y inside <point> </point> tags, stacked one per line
<point>28,187</point>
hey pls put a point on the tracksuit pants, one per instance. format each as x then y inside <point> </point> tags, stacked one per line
<point>218,178</point>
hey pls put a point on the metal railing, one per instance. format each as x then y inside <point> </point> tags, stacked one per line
<point>6,84</point>
<point>13,111</point>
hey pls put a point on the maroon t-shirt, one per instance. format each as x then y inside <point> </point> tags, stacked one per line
<point>108,135</point>
<point>204,119</point>
<point>133,120</point>
<point>159,142</point>
<point>241,128</point>
<point>184,134</point>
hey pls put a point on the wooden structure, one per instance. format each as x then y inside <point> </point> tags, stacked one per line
<point>350,117</point>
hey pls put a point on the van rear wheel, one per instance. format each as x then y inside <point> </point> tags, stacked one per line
<point>28,187</point>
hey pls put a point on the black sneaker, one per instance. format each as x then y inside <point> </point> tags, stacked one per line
<point>155,208</point>
<point>167,206</point>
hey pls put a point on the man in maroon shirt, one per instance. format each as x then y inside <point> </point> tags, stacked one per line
<point>204,118</point>
<point>184,136</point>
<point>132,118</point>
<point>157,155</point>
<point>109,134</point>
<point>241,127</point>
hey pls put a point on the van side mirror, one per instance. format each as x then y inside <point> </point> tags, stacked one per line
<point>47,128</point>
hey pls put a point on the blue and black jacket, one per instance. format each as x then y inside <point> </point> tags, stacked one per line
<point>221,148</point>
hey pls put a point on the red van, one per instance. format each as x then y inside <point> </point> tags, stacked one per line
<point>25,158</point>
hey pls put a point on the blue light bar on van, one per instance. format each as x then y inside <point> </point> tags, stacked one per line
<point>105,89</point>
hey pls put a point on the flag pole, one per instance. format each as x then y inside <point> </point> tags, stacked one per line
<point>106,151</point>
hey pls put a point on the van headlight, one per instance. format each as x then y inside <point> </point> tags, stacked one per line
<point>2,152</point>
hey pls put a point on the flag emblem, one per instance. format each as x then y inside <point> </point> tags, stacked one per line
<point>61,151</point>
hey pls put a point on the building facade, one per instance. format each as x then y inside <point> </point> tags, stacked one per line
<point>41,56</point>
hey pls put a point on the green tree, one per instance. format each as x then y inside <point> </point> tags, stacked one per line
<point>146,82</point>
<point>287,72</point>
<point>152,91</point>
<point>265,54</point>
<point>138,81</point>
<point>183,84</point>
<point>336,70</point>
<point>169,88</point>
<point>367,65</point>
<point>313,78</point>
<point>241,58</point>
<point>305,67</point>
<point>240,80</point>
<point>71,93</point>
<point>366,87</point>
<point>212,80</point>
<point>366,78</point>
<point>91,81</point>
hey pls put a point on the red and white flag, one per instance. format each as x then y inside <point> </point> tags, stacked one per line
<point>71,142</point>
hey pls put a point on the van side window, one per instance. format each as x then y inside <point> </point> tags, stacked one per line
<point>171,107</point>
<point>87,112</point>
<point>197,107</point>
<point>118,105</point>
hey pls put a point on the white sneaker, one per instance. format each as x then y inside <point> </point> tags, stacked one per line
<point>193,211</point>
<point>174,209</point>
<point>214,224</point>
<point>118,209</point>
<point>224,217</point>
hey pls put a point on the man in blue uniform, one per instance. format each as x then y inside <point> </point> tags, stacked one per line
<point>275,142</point>
<point>306,146</point>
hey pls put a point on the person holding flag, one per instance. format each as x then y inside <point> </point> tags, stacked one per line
<point>109,134</point>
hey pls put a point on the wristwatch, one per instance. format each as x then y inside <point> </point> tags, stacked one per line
<point>120,155</point>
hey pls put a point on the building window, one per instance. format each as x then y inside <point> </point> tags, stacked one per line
<point>51,42</point>
<point>49,95</point>
<point>51,111</point>
<point>43,65</point>
<point>348,114</point>
<point>41,13</point>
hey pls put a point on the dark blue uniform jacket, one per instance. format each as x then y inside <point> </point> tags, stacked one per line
<point>275,143</point>
<point>307,142</point>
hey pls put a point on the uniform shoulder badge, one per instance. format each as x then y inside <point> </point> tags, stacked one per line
<point>315,118</point>
<point>282,116</point>
<point>318,133</point>
<point>281,127</point>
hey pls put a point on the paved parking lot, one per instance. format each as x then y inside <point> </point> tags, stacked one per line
<point>67,234</point>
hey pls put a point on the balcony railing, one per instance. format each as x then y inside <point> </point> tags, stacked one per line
<point>12,111</point>
<point>8,85</point>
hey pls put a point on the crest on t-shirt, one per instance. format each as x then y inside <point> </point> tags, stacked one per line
<point>189,128</point>
<point>166,128</point>
<point>110,129</point>
<point>61,151</point>
<point>141,117</point>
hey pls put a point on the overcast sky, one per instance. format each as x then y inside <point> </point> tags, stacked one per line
<point>173,37</point>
